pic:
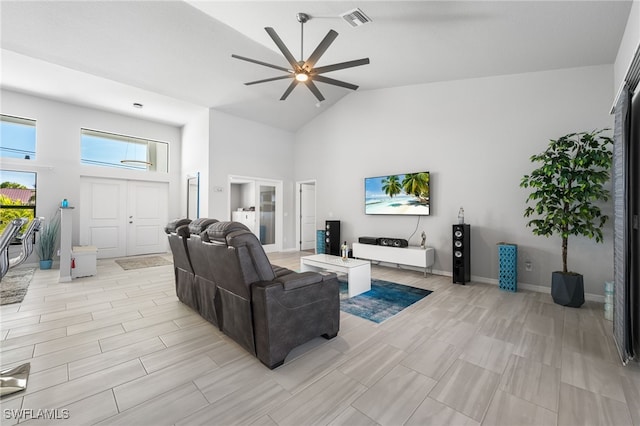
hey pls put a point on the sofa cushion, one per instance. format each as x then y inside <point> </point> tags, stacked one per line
<point>198,226</point>
<point>175,224</point>
<point>254,262</point>
<point>219,231</point>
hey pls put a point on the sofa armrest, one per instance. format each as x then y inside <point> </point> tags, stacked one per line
<point>298,280</point>
<point>285,319</point>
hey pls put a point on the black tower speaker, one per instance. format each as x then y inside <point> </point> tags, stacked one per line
<point>332,237</point>
<point>461,253</point>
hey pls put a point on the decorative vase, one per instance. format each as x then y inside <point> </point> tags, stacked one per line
<point>46,264</point>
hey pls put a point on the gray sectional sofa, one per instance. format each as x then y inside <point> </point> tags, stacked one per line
<point>222,271</point>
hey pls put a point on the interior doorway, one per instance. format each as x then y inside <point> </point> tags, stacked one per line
<point>193,196</point>
<point>257,203</point>
<point>306,215</point>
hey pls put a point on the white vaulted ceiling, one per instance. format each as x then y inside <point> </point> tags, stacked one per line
<point>175,56</point>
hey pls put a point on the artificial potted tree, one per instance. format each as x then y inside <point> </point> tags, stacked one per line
<point>566,191</point>
<point>46,243</point>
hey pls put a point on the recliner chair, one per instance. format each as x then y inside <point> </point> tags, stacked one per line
<point>267,313</point>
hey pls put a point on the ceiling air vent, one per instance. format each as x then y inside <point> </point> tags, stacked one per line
<point>355,17</point>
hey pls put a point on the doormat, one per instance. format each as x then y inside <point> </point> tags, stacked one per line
<point>384,300</point>
<point>142,262</point>
<point>14,285</point>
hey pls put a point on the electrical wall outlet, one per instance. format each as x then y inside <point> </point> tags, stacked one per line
<point>528,266</point>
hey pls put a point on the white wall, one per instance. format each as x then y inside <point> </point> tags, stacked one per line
<point>628,46</point>
<point>58,150</point>
<point>195,158</point>
<point>246,148</point>
<point>475,137</point>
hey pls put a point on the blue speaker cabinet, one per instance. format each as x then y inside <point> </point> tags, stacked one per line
<point>508,265</point>
<point>320,241</point>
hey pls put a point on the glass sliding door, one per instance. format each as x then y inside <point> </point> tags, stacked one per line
<point>268,204</point>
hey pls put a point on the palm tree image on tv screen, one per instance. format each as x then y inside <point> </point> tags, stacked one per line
<point>403,194</point>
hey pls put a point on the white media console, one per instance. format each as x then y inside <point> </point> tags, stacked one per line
<point>410,256</point>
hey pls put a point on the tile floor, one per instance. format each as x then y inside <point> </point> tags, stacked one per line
<point>119,348</point>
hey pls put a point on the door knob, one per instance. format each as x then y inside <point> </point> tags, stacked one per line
<point>130,221</point>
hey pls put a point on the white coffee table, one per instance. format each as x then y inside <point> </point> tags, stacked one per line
<point>358,271</point>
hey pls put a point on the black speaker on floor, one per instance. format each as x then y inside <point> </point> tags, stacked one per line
<point>461,253</point>
<point>332,237</point>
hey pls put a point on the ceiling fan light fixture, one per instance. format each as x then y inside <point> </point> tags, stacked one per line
<point>305,71</point>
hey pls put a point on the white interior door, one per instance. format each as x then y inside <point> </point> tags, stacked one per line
<point>146,217</point>
<point>102,216</point>
<point>123,218</point>
<point>307,216</point>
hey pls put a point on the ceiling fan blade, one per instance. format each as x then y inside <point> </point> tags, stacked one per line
<point>322,47</point>
<point>283,48</point>
<point>340,66</point>
<point>314,90</point>
<point>269,79</point>
<point>328,80</point>
<point>261,63</point>
<point>292,86</point>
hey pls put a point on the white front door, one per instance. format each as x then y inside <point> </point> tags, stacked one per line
<point>102,213</point>
<point>123,218</point>
<point>307,216</point>
<point>146,217</point>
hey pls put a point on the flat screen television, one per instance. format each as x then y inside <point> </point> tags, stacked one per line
<point>402,194</point>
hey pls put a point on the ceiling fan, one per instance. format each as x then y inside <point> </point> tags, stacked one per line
<point>303,71</point>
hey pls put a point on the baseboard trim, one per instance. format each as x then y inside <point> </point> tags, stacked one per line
<point>524,286</point>
<point>537,288</point>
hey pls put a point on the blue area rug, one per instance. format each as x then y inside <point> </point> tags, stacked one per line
<point>384,300</point>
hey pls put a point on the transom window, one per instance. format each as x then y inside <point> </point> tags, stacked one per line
<point>125,152</point>
<point>17,137</point>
